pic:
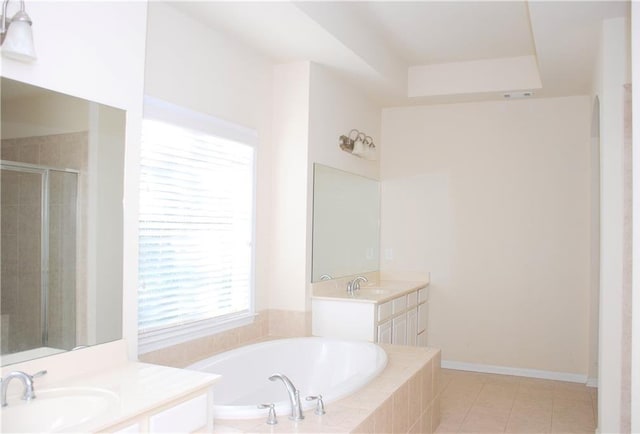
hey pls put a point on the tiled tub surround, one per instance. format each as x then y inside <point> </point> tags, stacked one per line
<point>267,324</point>
<point>404,398</point>
<point>335,368</point>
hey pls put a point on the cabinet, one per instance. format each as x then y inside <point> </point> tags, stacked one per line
<point>192,414</point>
<point>412,326</point>
<point>384,333</point>
<point>401,319</point>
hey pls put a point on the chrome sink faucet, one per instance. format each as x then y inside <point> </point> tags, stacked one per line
<point>27,382</point>
<point>294,396</point>
<point>354,285</point>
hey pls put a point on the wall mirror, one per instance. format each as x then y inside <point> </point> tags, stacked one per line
<point>61,189</point>
<point>346,223</point>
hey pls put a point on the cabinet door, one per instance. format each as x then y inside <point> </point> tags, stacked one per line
<point>384,333</point>
<point>412,326</point>
<point>422,339</point>
<point>399,330</point>
<point>423,317</point>
<point>185,417</point>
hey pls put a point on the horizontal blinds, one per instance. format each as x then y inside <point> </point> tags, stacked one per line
<point>195,228</point>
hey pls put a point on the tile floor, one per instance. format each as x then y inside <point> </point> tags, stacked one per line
<point>487,403</point>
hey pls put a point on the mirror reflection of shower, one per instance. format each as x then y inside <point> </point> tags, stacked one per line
<point>39,226</point>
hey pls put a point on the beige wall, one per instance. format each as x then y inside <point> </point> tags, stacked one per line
<point>312,107</point>
<point>493,199</point>
<point>288,238</point>
<point>337,107</point>
<point>42,115</point>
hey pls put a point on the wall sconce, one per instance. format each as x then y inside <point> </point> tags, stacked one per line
<point>357,143</point>
<point>16,36</point>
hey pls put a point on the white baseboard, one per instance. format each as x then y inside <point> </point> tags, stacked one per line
<point>506,370</point>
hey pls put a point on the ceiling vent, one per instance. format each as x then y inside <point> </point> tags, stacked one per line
<point>517,95</point>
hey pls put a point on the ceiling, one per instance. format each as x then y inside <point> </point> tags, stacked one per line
<point>403,53</point>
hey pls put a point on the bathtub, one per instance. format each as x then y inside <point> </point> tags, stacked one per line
<point>330,367</point>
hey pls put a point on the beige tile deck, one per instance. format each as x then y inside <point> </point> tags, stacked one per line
<point>487,403</point>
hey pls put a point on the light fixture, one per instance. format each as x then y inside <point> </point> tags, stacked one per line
<point>17,38</point>
<point>358,144</point>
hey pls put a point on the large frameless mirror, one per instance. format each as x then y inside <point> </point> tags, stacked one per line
<point>346,223</point>
<point>61,185</point>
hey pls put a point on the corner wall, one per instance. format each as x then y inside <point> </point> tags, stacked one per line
<point>493,199</point>
<point>313,107</point>
<point>612,73</point>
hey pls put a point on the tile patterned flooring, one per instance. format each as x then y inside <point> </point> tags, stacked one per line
<point>487,403</point>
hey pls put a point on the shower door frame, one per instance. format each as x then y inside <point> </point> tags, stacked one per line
<point>44,171</point>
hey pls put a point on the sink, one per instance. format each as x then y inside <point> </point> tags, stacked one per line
<point>57,410</point>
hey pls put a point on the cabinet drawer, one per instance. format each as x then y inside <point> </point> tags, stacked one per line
<point>183,418</point>
<point>399,304</point>
<point>423,294</point>
<point>412,299</point>
<point>385,310</point>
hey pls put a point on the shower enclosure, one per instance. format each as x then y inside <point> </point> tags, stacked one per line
<point>38,207</point>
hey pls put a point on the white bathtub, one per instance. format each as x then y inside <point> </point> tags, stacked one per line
<point>330,367</point>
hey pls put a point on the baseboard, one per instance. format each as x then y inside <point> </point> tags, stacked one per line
<point>506,370</point>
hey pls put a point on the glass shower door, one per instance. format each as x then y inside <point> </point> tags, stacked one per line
<point>38,248</point>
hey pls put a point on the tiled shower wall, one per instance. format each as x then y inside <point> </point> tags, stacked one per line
<point>21,279</point>
<point>21,211</point>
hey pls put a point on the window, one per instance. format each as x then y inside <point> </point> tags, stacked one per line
<point>197,181</point>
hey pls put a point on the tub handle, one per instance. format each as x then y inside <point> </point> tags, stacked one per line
<point>319,404</point>
<point>271,419</point>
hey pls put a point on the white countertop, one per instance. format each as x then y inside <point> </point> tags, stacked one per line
<point>140,387</point>
<point>376,292</point>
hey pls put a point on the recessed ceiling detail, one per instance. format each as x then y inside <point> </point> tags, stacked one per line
<point>401,52</point>
<point>475,76</point>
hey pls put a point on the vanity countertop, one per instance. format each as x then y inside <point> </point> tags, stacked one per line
<point>139,387</point>
<point>375,292</point>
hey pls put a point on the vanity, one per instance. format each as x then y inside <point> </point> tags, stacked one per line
<point>388,311</point>
<point>99,390</point>
<point>388,308</point>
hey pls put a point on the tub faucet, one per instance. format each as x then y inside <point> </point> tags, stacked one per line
<point>294,396</point>
<point>27,381</point>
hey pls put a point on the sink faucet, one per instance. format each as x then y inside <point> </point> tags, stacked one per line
<point>27,382</point>
<point>354,285</point>
<point>294,396</point>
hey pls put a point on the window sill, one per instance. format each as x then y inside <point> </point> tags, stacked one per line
<point>163,338</point>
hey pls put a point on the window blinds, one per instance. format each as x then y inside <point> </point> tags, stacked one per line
<point>195,227</point>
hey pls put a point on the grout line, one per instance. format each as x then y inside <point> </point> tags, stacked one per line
<point>513,402</point>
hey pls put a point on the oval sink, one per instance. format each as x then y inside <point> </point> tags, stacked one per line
<point>57,410</point>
